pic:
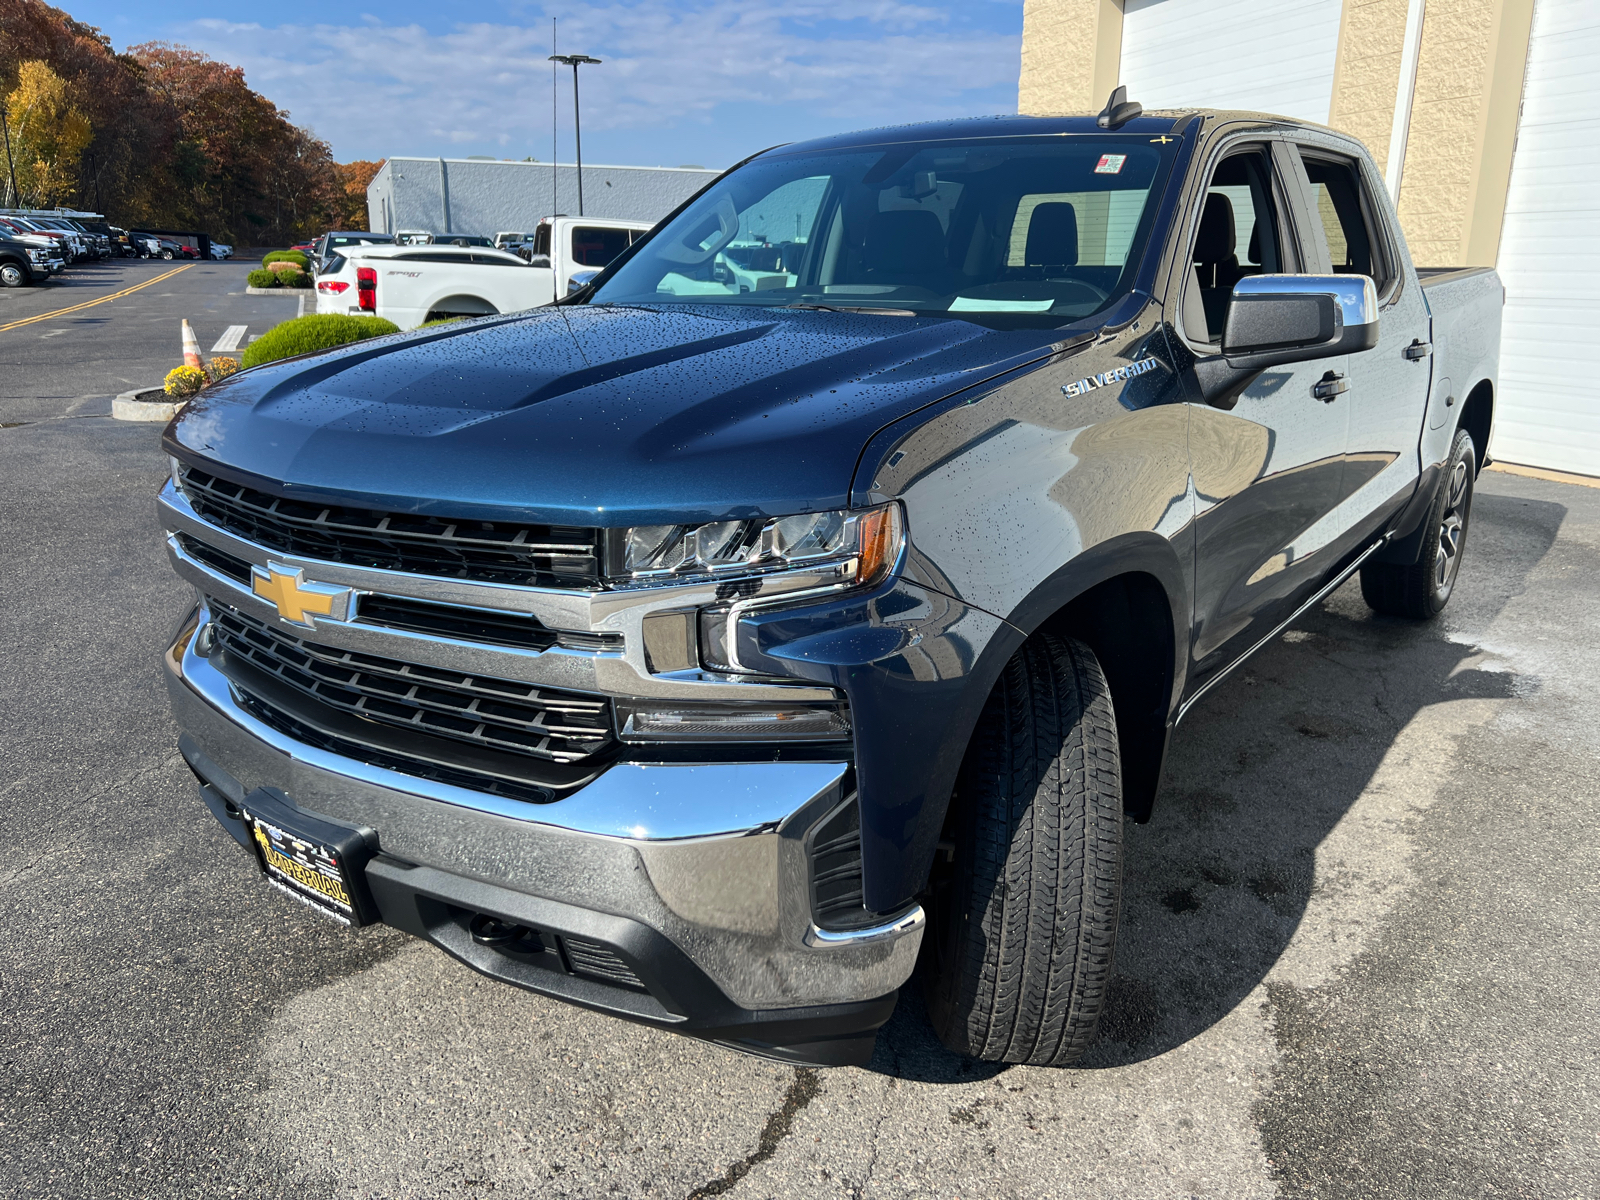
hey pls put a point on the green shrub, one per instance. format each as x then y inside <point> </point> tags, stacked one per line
<point>262,278</point>
<point>321,331</point>
<point>295,279</point>
<point>440,321</point>
<point>287,256</point>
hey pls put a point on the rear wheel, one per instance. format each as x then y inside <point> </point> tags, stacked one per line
<point>1420,590</point>
<point>1024,918</point>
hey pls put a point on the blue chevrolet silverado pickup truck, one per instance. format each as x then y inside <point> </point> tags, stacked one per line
<point>814,593</point>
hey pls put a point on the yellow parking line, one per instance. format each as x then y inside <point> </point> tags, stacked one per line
<point>61,312</point>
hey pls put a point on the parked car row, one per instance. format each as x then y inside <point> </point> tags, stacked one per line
<point>43,244</point>
<point>37,244</point>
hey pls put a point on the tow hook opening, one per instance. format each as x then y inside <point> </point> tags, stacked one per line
<point>506,936</point>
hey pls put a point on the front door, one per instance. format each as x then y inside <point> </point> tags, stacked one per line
<point>1268,472</point>
<point>1388,396</point>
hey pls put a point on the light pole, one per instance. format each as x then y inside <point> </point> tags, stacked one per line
<point>5,123</point>
<point>575,61</point>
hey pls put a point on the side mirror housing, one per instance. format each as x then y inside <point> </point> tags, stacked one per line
<point>1278,319</point>
<point>581,280</point>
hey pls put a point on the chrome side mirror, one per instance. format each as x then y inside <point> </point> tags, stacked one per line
<point>1278,319</point>
<point>580,280</point>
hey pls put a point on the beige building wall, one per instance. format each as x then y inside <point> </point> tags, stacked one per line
<point>1366,76</point>
<point>1071,51</point>
<point>1464,111</point>
<point>1463,129</point>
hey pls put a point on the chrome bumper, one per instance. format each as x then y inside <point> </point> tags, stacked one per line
<point>712,856</point>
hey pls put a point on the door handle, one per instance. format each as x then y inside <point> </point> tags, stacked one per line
<point>1418,350</point>
<point>1330,385</point>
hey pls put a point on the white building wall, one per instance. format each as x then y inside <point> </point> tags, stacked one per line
<point>479,197</point>
<point>1273,56</point>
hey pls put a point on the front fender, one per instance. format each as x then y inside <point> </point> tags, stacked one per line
<point>917,666</point>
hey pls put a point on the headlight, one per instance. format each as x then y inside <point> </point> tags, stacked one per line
<point>862,546</point>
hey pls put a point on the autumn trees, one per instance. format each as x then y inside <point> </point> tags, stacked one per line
<point>160,136</point>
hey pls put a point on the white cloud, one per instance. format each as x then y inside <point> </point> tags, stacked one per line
<point>374,88</point>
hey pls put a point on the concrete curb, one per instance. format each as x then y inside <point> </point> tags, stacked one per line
<point>131,406</point>
<point>255,291</point>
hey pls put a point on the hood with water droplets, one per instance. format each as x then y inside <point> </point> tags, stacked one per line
<point>595,415</point>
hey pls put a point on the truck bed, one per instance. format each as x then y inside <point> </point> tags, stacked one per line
<point>1464,304</point>
<point>1437,275</point>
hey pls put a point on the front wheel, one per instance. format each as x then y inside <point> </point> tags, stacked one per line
<point>1420,590</point>
<point>12,276</point>
<point>1017,962</point>
<point>167,254</point>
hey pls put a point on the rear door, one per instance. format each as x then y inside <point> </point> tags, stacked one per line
<point>1267,471</point>
<point>1388,396</point>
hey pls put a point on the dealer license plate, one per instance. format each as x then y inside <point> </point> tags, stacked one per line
<point>318,863</point>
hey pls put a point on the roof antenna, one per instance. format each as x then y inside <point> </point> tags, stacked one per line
<point>1119,110</point>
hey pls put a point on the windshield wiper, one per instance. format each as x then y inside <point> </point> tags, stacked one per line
<point>855,308</point>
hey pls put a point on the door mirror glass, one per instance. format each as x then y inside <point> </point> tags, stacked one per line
<point>1277,319</point>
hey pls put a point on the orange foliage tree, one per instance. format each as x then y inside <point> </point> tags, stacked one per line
<point>353,180</point>
<point>178,140</point>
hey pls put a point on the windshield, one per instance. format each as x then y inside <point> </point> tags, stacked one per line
<point>1049,228</point>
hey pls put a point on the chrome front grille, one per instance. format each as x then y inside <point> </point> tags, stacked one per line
<point>454,548</point>
<point>494,714</point>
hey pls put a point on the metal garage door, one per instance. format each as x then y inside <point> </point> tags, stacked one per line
<point>1550,251</point>
<point>1272,56</point>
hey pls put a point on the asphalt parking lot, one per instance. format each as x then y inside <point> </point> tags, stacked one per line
<point>1359,955</point>
<point>107,337</point>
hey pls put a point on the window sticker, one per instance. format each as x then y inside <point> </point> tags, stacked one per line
<point>1110,164</point>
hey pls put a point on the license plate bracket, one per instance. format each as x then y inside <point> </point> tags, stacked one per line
<point>319,862</point>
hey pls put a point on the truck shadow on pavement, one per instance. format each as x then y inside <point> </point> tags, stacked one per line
<point>1219,881</point>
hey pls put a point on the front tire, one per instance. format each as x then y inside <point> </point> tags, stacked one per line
<point>1420,590</point>
<point>12,276</point>
<point>1024,920</point>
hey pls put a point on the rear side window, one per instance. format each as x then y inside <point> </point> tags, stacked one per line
<point>593,247</point>
<point>1343,218</point>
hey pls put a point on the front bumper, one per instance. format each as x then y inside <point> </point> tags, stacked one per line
<point>695,876</point>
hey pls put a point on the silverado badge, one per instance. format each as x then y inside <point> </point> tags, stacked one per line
<point>295,599</point>
<point>1106,378</point>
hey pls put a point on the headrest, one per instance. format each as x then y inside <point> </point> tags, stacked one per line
<point>1216,238</point>
<point>1052,235</point>
<point>904,241</point>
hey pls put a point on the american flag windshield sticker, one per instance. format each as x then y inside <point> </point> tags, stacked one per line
<point>1110,164</point>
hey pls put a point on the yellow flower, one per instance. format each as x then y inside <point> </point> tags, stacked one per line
<point>183,382</point>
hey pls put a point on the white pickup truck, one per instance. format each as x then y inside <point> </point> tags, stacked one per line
<point>412,284</point>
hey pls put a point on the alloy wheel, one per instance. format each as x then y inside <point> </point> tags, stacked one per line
<point>1452,531</point>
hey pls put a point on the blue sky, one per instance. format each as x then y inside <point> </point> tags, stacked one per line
<point>684,81</point>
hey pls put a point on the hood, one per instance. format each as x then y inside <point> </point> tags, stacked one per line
<point>596,415</point>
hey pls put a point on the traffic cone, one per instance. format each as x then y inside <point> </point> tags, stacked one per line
<point>191,348</point>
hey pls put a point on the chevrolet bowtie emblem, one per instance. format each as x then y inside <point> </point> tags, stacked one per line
<point>296,600</point>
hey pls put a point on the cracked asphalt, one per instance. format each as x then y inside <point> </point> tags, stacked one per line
<point>1359,956</point>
